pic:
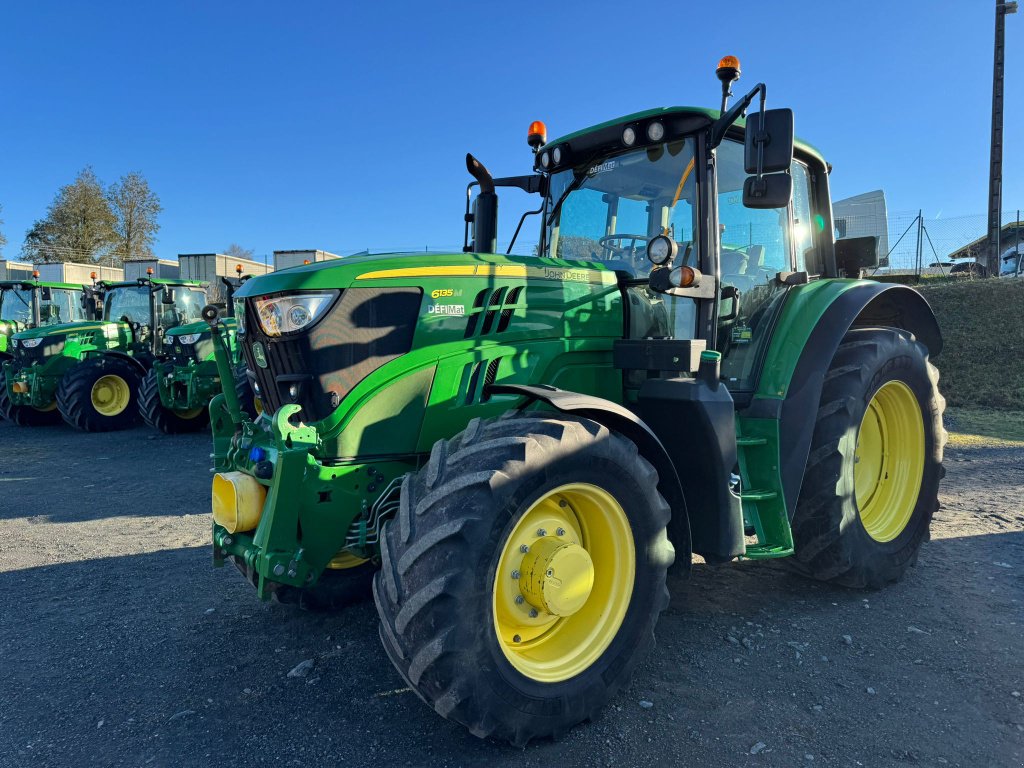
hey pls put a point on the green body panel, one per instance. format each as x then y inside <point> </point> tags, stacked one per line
<point>560,331</point>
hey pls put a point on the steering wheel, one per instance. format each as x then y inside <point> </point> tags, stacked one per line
<point>622,252</point>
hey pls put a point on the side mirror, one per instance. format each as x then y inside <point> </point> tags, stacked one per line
<point>771,191</point>
<point>167,297</point>
<point>773,141</point>
<point>855,254</point>
<point>46,294</point>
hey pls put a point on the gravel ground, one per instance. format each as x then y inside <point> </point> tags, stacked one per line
<point>121,645</point>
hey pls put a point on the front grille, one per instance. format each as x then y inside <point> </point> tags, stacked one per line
<point>28,356</point>
<point>364,329</point>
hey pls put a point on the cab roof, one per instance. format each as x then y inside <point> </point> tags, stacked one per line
<point>42,284</point>
<point>700,112</point>
<point>155,281</point>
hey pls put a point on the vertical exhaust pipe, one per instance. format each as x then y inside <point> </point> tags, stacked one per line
<point>485,209</point>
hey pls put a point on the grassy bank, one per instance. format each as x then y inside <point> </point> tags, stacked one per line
<point>982,362</point>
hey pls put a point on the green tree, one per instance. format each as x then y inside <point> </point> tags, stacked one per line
<point>136,208</point>
<point>79,225</point>
<point>236,251</point>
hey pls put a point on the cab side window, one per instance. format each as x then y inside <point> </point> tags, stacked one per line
<point>754,246</point>
<point>803,222</point>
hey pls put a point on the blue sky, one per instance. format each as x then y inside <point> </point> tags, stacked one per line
<point>345,125</point>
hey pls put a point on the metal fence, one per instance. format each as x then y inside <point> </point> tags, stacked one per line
<point>914,243</point>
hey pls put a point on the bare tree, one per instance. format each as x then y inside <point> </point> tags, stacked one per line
<point>136,207</point>
<point>236,251</point>
<point>79,225</point>
<point>3,240</point>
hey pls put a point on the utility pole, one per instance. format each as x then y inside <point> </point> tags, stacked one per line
<point>995,171</point>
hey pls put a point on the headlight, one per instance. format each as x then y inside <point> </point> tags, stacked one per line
<point>655,131</point>
<point>628,136</point>
<point>287,314</point>
<point>545,159</point>
<point>31,343</point>
<point>189,338</point>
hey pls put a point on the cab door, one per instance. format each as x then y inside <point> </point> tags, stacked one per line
<point>755,246</point>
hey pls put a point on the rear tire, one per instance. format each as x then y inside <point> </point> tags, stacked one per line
<point>24,415</point>
<point>441,590</point>
<point>166,420</point>
<point>83,400</point>
<point>849,528</point>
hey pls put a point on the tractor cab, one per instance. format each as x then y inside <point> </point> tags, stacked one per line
<point>31,304</point>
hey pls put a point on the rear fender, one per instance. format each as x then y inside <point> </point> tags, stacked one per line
<point>805,339</point>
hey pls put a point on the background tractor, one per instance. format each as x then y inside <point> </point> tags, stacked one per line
<point>522,447</point>
<point>30,303</point>
<point>91,372</point>
<point>176,391</point>
<point>26,304</point>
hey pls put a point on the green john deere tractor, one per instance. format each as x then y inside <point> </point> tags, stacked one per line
<point>176,391</point>
<point>521,447</point>
<point>97,373</point>
<point>26,304</point>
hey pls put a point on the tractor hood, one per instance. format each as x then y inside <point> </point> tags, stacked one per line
<point>343,273</point>
<point>67,328</point>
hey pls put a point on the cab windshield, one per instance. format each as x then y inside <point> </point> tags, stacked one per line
<point>16,305</point>
<point>132,303</point>
<point>62,306</point>
<point>608,210</point>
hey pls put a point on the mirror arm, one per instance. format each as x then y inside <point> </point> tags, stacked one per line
<point>721,125</point>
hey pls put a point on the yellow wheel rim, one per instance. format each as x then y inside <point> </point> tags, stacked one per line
<point>52,406</point>
<point>258,405</point>
<point>110,395</point>
<point>889,461</point>
<point>344,560</point>
<point>191,413</point>
<point>564,581</point>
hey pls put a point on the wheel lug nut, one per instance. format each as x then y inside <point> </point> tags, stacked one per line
<point>541,532</point>
<point>520,599</point>
<point>561,503</point>
<point>515,574</point>
<point>522,548</point>
<point>550,573</point>
<point>533,613</point>
<point>560,532</point>
<point>516,638</point>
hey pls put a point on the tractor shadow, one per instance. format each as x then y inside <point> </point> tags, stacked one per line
<point>58,474</point>
<point>160,656</point>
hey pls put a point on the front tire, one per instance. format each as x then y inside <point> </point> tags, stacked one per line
<point>168,421</point>
<point>25,415</point>
<point>524,574</point>
<point>872,479</point>
<point>100,394</point>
